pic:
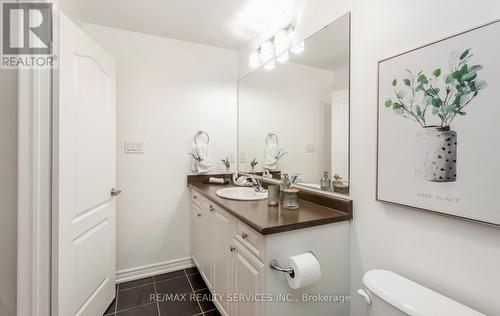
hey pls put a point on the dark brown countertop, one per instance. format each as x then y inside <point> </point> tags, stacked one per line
<point>268,219</point>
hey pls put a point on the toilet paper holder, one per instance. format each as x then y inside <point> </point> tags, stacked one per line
<point>276,266</point>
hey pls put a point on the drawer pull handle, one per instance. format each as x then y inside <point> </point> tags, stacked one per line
<point>198,215</point>
<point>195,197</point>
<point>211,208</point>
<point>232,249</point>
<point>244,235</point>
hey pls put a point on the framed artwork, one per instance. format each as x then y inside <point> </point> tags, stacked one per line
<point>439,126</point>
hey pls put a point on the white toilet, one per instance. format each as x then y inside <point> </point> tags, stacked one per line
<point>393,295</point>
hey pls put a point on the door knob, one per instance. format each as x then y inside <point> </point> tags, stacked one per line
<point>115,192</point>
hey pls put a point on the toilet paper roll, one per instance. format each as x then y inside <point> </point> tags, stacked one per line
<point>306,270</point>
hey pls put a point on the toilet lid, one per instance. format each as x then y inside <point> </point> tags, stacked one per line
<point>413,298</point>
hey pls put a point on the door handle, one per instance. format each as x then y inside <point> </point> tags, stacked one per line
<point>115,192</point>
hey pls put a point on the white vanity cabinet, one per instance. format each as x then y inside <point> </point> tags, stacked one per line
<point>233,259</point>
<point>211,234</point>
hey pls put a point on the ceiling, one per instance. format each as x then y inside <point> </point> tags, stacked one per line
<point>222,23</point>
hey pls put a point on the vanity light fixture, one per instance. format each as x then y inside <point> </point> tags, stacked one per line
<point>267,51</point>
<point>283,57</point>
<point>275,49</point>
<point>282,41</point>
<point>299,48</point>
<point>254,60</point>
<point>270,65</point>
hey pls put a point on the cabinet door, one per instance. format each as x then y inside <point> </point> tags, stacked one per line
<point>221,236</point>
<point>196,234</point>
<point>206,251</point>
<point>248,279</point>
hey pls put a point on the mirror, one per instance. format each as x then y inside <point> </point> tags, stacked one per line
<point>294,119</point>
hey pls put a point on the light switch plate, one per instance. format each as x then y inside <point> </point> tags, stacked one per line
<point>134,147</point>
<point>310,148</point>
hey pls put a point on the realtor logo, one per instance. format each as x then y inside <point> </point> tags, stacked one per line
<point>27,35</point>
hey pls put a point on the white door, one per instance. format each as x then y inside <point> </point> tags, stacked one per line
<point>84,174</point>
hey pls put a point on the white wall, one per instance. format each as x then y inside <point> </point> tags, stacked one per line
<point>71,9</point>
<point>341,79</point>
<point>457,258</point>
<point>167,90</point>
<point>8,192</point>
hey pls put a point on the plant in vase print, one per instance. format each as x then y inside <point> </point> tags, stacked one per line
<point>434,101</point>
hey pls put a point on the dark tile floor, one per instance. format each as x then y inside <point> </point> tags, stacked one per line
<point>179,293</point>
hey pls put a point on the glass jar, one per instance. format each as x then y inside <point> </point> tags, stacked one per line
<point>290,199</point>
<point>273,195</point>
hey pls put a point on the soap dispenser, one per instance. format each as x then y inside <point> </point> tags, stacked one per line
<point>325,182</point>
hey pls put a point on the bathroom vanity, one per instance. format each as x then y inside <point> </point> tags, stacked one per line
<point>293,118</point>
<point>233,243</point>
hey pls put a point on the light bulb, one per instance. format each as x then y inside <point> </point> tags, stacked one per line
<point>299,48</point>
<point>254,59</point>
<point>266,51</point>
<point>283,57</point>
<point>282,41</point>
<point>270,65</point>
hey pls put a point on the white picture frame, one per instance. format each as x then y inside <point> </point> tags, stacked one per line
<point>442,156</point>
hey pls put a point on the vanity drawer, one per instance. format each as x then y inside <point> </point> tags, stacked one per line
<point>196,198</point>
<point>249,238</point>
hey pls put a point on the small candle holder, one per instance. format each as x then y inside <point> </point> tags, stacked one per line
<point>291,199</point>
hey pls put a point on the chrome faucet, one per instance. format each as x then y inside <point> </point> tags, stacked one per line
<point>295,177</point>
<point>256,184</point>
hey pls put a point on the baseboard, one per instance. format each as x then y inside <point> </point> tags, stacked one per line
<point>153,269</point>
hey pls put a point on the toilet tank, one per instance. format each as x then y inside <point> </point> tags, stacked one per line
<point>393,295</point>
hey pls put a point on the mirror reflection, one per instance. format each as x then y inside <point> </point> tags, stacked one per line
<point>294,119</point>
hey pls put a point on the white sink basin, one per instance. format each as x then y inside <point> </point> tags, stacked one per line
<point>241,194</point>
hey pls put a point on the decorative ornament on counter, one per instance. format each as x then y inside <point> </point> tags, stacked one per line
<point>241,181</point>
